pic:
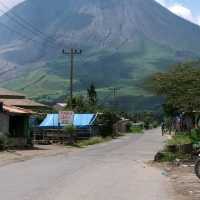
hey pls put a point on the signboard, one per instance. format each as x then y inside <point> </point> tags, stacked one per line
<point>66,117</point>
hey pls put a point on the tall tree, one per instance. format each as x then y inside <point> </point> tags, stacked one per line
<point>180,86</point>
<point>92,95</point>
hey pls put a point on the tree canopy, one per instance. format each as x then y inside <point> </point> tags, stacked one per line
<point>92,95</point>
<point>180,86</point>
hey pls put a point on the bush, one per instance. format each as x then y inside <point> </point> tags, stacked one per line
<point>155,124</point>
<point>168,157</point>
<point>180,139</point>
<point>195,136</point>
<point>136,130</point>
<point>106,121</point>
<point>70,130</point>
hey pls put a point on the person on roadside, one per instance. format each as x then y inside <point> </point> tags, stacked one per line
<point>163,128</point>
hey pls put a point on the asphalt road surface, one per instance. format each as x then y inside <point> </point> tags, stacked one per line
<point>116,170</point>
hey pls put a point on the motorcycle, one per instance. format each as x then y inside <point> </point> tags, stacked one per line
<point>197,167</point>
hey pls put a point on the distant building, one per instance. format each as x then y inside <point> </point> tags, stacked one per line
<point>60,106</point>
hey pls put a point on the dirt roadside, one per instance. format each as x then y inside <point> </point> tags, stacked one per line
<point>184,181</point>
<point>9,157</point>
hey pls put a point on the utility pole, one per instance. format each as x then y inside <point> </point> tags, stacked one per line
<point>115,90</point>
<point>72,52</point>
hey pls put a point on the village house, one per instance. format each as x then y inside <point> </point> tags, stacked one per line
<point>15,113</point>
<point>11,98</point>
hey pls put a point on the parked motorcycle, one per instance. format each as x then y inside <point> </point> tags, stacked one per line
<point>197,168</point>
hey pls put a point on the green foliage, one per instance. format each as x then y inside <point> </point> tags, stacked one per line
<point>106,122</point>
<point>180,139</point>
<point>170,157</point>
<point>79,104</point>
<point>70,130</point>
<point>91,141</point>
<point>195,135</point>
<point>136,130</point>
<point>92,95</point>
<point>180,86</point>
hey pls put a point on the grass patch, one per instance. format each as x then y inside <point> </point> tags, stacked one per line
<point>170,157</point>
<point>180,139</point>
<point>179,147</point>
<point>136,130</point>
<point>91,141</point>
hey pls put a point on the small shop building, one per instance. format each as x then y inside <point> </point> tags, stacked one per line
<point>15,99</point>
<point>14,123</point>
<point>15,113</point>
<point>51,129</point>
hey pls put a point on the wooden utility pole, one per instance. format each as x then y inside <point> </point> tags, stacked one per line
<point>72,52</point>
<point>115,90</point>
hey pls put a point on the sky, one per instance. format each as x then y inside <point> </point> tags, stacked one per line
<point>187,9</point>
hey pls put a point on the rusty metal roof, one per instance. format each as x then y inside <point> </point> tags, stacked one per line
<point>22,103</point>
<point>16,110</point>
<point>5,92</point>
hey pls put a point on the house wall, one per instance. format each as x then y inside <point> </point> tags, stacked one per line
<point>4,123</point>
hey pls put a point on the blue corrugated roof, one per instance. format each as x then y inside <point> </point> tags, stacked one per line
<point>51,120</point>
<point>83,119</point>
<point>80,120</point>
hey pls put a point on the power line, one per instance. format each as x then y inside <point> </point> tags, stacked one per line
<point>20,24</point>
<point>29,24</point>
<point>16,32</point>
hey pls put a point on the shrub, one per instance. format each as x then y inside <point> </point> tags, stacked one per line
<point>136,130</point>
<point>180,139</point>
<point>195,136</point>
<point>70,130</point>
<point>168,157</point>
<point>106,121</point>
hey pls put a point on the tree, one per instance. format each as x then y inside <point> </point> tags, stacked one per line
<point>79,104</point>
<point>180,86</point>
<point>92,95</point>
<point>70,130</point>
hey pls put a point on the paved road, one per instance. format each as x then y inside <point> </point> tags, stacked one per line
<point>111,171</point>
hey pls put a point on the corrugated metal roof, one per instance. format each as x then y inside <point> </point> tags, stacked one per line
<point>5,92</point>
<point>80,120</point>
<point>21,103</point>
<point>16,110</point>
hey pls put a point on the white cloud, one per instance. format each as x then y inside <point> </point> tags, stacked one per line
<point>162,2</point>
<point>180,10</point>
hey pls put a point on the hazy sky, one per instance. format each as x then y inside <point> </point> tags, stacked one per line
<point>188,9</point>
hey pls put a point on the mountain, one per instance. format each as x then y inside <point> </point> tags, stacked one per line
<point>122,41</point>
